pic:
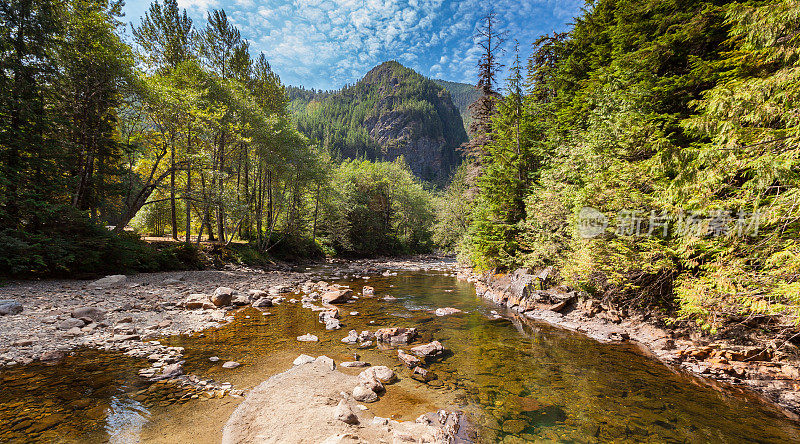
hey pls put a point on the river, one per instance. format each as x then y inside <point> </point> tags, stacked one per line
<point>517,380</point>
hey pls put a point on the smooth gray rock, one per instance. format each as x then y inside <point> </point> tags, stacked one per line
<point>10,307</point>
<point>92,313</point>
<point>110,281</point>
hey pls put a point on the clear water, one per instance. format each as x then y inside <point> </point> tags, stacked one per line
<point>518,380</point>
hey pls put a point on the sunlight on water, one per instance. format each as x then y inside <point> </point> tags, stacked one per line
<point>125,420</point>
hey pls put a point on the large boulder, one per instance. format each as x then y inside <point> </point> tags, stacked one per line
<point>110,281</point>
<point>10,307</point>
<point>222,296</point>
<point>396,335</point>
<point>339,296</point>
<point>89,314</point>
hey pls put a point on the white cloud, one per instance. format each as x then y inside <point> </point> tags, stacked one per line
<point>202,5</point>
<point>326,43</point>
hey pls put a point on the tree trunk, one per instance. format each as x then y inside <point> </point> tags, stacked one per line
<point>188,192</point>
<point>172,207</point>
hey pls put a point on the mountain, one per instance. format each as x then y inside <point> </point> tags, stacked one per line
<point>393,111</point>
<point>463,95</point>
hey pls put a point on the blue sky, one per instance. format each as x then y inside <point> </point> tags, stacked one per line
<point>324,44</point>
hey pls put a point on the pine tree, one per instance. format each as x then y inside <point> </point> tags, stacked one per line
<point>490,40</point>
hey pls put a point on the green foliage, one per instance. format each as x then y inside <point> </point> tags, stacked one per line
<point>654,106</point>
<point>377,208</point>
<point>69,245</point>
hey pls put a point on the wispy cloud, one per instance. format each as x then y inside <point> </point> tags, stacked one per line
<point>327,43</point>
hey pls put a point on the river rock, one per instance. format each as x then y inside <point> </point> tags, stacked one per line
<point>222,296</point>
<point>278,289</point>
<point>67,324</point>
<point>354,364</point>
<point>395,335</point>
<point>74,331</point>
<point>410,361</point>
<point>89,313</point>
<point>370,381</point>
<point>308,337</point>
<point>110,281</point>
<point>351,338</point>
<point>240,300</point>
<point>429,351</point>
<point>446,311</point>
<point>196,301</point>
<point>326,361</point>
<point>51,355</point>
<point>172,370</point>
<point>382,373</point>
<point>230,365</point>
<point>262,303</point>
<point>10,307</point>
<point>256,294</point>
<point>363,394</point>
<point>345,414</point>
<point>214,359</point>
<point>337,296</point>
<point>423,375</point>
<point>368,291</point>
<point>303,359</point>
<point>125,328</point>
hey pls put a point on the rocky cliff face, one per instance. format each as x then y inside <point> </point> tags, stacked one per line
<point>399,111</point>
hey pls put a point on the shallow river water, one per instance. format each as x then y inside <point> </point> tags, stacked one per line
<point>517,380</point>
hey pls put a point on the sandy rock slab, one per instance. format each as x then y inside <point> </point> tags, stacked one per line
<point>305,404</point>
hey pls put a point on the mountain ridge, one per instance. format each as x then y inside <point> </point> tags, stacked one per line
<point>392,111</point>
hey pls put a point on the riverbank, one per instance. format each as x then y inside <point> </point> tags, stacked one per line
<point>748,359</point>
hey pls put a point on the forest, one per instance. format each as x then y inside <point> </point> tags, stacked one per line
<point>671,124</point>
<point>180,134</point>
<point>649,155</point>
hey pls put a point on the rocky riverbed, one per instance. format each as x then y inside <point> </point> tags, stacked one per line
<point>44,320</point>
<point>512,376</point>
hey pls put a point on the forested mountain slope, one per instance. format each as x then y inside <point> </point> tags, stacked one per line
<point>463,95</point>
<point>393,111</point>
